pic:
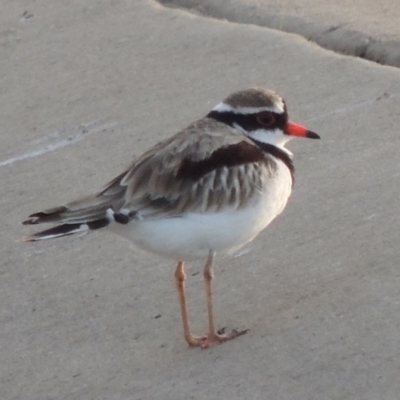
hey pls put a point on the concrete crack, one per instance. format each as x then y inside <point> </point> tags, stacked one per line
<point>339,38</point>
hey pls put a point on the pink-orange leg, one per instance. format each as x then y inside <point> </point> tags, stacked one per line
<point>180,277</point>
<point>214,336</point>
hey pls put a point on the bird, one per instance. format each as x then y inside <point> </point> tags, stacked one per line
<point>209,189</point>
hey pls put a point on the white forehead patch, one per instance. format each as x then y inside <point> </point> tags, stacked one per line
<point>278,108</point>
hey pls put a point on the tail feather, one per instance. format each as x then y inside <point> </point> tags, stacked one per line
<point>87,213</point>
<point>66,229</point>
<point>50,215</point>
<point>87,209</point>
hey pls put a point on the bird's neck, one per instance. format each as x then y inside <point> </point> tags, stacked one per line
<point>281,154</point>
<point>268,143</point>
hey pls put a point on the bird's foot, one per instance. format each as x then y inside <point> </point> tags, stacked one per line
<point>214,338</point>
<point>220,336</point>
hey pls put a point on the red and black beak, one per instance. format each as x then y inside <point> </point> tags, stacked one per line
<point>298,130</point>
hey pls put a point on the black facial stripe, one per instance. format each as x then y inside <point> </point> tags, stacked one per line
<point>248,122</point>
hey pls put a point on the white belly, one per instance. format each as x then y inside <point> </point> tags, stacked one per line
<point>192,236</point>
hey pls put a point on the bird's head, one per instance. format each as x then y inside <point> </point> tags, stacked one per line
<point>261,115</point>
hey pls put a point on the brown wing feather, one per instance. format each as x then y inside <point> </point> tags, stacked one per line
<point>182,173</point>
<point>202,169</point>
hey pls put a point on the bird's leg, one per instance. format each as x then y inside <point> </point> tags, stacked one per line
<point>213,336</point>
<point>208,277</point>
<point>180,277</point>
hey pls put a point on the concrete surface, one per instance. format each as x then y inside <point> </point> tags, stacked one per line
<point>361,28</point>
<point>85,86</point>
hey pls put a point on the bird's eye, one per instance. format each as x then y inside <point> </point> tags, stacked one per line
<point>266,118</point>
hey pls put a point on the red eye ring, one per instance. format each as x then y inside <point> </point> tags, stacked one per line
<point>266,118</point>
